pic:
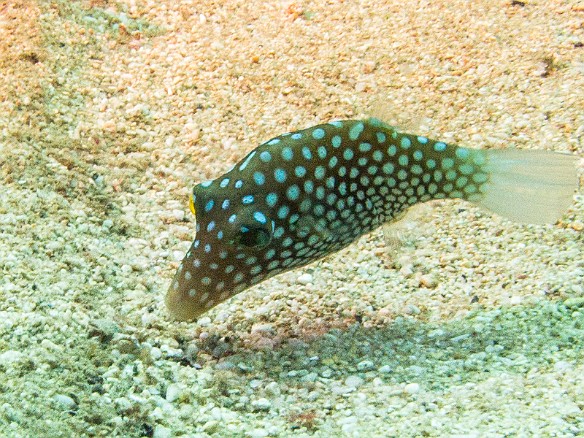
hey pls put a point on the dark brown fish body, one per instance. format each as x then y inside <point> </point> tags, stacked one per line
<point>303,195</point>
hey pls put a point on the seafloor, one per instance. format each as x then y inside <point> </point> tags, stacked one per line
<point>111,110</point>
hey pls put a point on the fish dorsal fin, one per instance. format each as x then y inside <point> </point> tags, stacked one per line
<point>397,117</point>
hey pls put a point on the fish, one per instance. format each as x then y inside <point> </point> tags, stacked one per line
<point>303,195</point>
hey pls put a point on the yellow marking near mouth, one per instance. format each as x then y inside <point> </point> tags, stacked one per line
<point>192,205</point>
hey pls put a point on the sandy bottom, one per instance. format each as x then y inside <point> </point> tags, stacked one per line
<point>111,111</point>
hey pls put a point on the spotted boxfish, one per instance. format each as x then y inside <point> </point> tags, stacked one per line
<point>303,195</point>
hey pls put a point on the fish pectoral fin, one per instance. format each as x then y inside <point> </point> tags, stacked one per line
<point>403,230</point>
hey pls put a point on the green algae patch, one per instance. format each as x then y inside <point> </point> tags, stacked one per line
<point>115,21</point>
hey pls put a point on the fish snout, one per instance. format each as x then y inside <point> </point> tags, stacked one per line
<point>188,297</point>
<point>180,305</point>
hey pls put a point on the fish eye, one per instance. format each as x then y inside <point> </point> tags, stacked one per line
<point>253,236</point>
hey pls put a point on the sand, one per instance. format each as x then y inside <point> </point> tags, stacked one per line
<point>111,111</point>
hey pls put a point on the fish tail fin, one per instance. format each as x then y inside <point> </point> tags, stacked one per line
<point>528,186</point>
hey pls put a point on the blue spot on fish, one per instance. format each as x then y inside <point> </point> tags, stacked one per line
<point>318,133</point>
<point>259,178</point>
<point>439,146</point>
<point>293,192</point>
<point>283,212</point>
<point>466,169</point>
<point>280,175</point>
<point>247,160</point>
<point>365,147</point>
<point>462,153</point>
<point>319,172</point>
<point>260,217</point>
<point>287,154</point>
<point>300,171</point>
<point>265,156</point>
<point>271,199</point>
<point>356,130</point>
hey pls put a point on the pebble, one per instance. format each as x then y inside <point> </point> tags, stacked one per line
<point>350,429</point>
<point>515,300</point>
<point>353,381</point>
<point>436,333</point>
<point>49,345</point>
<point>255,383</point>
<point>173,392</point>
<point>326,373</point>
<point>304,278</point>
<point>204,321</point>
<point>261,404</point>
<point>106,327</point>
<point>412,388</point>
<point>273,389</point>
<point>310,377</point>
<point>161,432</point>
<point>10,356</point>
<point>191,352</point>
<point>258,433</point>
<point>65,401</point>
<point>562,366</point>
<point>126,346</point>
<point>155,353</point>
<point>365,365</point>
<point>574,302</point>
<point>262,328</point>
<point>123,404</point>
<point>177,256</point>
<point>460,338</point>
<point>179,215</point>
<point>428,281</point>
<point>211,426</point>
<point>385,369</point>
<point>341,389</point>
<point>412,309</point>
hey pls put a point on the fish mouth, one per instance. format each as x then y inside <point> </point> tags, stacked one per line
<point>179,306</point>
<point>187,298</point>
<point>179,300</point>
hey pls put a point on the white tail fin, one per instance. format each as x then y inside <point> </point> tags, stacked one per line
<point>528,186</point>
